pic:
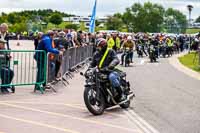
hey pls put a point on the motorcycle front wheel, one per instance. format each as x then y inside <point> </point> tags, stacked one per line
<point>94,105</point>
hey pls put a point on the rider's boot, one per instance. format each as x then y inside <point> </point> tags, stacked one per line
<point>121,92</point>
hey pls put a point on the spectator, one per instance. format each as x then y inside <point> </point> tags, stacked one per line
<point>70,40</point>
<point>46,45</point>
<point>110,41</point>
<point>4,34</point>
<point>6,73</point>
<point>62,41</point>
<point>79,38</point>
<point>37,39</point>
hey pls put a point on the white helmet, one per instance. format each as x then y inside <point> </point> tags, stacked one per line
<point>129,38</point>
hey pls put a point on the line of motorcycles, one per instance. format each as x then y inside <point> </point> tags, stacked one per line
<point>153,51</point>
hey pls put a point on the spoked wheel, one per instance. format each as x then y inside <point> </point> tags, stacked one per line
<point>94,105</point>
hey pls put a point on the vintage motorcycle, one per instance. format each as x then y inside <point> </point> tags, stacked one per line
<point>99,94</point>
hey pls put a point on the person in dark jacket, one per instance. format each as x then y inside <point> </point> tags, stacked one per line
<point>37,39</point>
<point>6,73</point>
<point>106,58</point>
<point>46,45</point>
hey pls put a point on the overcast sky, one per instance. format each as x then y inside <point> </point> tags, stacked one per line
<point>84,7</point>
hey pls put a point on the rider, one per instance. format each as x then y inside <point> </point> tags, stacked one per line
<point>129,44</point>
<point>106,58</point>
<point>142,42</point>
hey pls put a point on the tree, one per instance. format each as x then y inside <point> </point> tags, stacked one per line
<point>18,27</point>
<point>97,23</point>
<point>71,26</point>
<point>144,18</point>
<point>114,23</point>
<point>127,19</point>
<point>1,19</point>
<point>198,20</point>
<point>178,20</point>
<point>12,18</point>
<point>56,19</point>
<point>82,26</point>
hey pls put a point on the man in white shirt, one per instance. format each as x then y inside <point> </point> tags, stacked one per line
<point>4,34</point>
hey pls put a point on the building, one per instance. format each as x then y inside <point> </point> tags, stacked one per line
<point>195,25</point>
<point>86,20</point>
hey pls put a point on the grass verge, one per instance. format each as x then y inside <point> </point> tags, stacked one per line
<point>191,61</point>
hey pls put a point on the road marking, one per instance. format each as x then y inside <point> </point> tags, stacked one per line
<point>71,117</point>
<point>76,106</point>
<point>140,122</point>
<point>142,62</point>
<point>38,124</point>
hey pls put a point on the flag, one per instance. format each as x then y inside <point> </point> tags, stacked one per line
<point>92,20</point>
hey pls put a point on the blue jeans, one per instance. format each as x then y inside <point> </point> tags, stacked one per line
<point>114,79</point>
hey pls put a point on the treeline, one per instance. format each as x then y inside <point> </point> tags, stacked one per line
<point>21,21</point>
<point>148,17</point>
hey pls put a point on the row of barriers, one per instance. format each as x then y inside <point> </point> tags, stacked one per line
<point>22,67</point>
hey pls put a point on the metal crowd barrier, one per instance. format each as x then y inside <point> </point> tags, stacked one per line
<point>72,58</point>
<point>30,67</point>
<point>19,68</point>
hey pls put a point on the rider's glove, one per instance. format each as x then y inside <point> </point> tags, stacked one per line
<point>111,67</point>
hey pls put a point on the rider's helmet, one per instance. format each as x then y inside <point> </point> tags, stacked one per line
<point>129,38</point>
<point>101,43</point>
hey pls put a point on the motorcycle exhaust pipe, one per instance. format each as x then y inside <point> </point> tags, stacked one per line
<point>129,97</point>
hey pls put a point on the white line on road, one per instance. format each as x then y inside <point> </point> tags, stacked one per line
<point>142,62</point>
<point>140,122</point>
<point>72,117</point>
<point>38,124</point>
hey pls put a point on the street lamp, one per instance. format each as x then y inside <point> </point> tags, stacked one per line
<point>190,7</point>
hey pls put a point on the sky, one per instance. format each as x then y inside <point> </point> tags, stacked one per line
<point>84,7</point>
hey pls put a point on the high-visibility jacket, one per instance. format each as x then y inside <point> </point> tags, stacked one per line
<point>110,43</point>
<point>169,42</point>
<point>118,41</point>
<point>104,57</point>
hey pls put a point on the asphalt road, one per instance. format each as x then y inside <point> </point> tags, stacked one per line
<point>166,98</point>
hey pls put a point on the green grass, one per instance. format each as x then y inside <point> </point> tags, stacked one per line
<point>188,61</point>
<point>192,31</point>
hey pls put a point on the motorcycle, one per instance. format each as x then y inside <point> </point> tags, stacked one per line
<point>164,50</point>
<point>127,57</point>
<point>99,93</point>
<point>139,50</point>
<point>152,53</point>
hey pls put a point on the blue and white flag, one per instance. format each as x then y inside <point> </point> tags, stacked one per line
<point>92,21</point>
